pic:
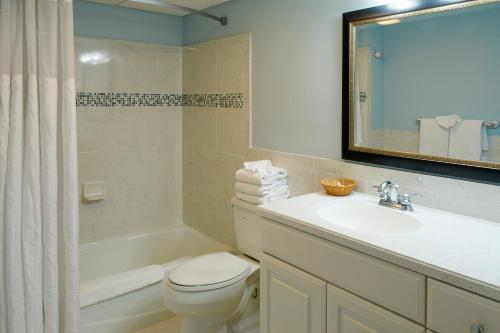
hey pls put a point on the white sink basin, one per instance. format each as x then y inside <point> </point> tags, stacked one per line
<point>360,216</point>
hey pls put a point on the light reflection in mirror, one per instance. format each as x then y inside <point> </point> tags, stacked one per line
<point>94,58</point>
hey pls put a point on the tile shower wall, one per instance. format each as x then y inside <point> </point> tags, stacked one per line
<point>215,140</point>
<point>216,143</point>
<point>135,149</point>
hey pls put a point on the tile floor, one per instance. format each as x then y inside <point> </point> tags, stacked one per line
<point>172,325</point>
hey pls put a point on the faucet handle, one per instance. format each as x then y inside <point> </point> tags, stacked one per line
<point>406,198</point>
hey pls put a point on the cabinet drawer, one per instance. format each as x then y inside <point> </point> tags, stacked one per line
<point>453,310</point>
<point>388,285</point>
<point>348,313</point>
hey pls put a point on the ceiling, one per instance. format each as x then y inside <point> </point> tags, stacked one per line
<point>157,6</point>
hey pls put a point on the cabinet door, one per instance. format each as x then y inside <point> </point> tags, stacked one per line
<point>350,314</point>
<point>292,301</point>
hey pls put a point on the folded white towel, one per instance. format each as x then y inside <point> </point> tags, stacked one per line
<point>262,200</point>
<point>263,166</point>
<point>258,178</point>
<point>448,121</point>
<point>261,190</point>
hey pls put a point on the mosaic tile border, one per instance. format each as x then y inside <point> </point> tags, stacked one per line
<point>213,100</point>
<point>231,100</point>
<point>127,99</point>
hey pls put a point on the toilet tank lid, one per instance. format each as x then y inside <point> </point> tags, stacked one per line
<point>242,204</point>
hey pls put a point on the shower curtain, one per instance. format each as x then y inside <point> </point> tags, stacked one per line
<point>39,287</point>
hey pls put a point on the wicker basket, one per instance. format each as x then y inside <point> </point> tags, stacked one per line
<point>338,186</point>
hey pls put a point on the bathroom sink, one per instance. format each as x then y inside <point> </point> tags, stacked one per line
<point>361,216</point>
<point>431,240</point>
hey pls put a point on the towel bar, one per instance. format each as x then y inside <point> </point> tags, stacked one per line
<point>490,124</point>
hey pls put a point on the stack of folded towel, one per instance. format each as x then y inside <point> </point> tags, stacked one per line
<point>260,182</point>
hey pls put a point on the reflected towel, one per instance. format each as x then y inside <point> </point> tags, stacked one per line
<point>449,121</point>
<point>434,139</point>
<point>262,200</point>
<point>245,176</point>
<point>468,140</point>
<point>261,190</point>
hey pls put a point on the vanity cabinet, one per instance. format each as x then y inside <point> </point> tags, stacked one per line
<point>397,289</point>
<point>348,313</point>
<point>311,285</point>
<point>292,301</point>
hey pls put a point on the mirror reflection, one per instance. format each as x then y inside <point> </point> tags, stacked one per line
<point>430,84</point>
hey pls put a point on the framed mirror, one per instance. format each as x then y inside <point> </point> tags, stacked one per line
<point>421,87</point>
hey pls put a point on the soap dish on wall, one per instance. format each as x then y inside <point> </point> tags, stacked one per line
<point>94,191</point>
<point>338,186</point>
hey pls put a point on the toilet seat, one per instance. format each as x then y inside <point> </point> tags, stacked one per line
<point>209,272</point>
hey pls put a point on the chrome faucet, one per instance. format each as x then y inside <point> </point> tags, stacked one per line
<point>392,198</point>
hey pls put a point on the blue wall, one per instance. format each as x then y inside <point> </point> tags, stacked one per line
<point>296,68</point>
<point>444,65</point>
<point>104,21</point>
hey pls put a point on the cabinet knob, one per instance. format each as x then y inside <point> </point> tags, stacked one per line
<point>477,328</point>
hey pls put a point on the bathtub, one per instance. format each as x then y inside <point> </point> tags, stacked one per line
<point>121,280</point>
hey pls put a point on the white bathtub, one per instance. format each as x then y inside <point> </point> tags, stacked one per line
<point>121,286</point>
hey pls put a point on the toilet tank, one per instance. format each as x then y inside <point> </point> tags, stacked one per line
<point>247,224</point>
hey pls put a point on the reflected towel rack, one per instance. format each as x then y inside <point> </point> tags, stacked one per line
<point>489,124</point>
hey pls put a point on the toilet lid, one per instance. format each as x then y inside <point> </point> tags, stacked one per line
<point>210,271</point>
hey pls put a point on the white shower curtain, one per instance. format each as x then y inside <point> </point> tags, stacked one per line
<point>39,288</point>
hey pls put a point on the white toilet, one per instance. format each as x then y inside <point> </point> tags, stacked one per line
<point>219,292</point>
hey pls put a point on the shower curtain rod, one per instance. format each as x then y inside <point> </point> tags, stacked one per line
<point>222,20</point>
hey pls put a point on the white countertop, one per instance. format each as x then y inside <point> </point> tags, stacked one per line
<point>457,249</point>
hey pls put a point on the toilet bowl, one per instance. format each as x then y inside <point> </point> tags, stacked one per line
<point>218,292</point>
